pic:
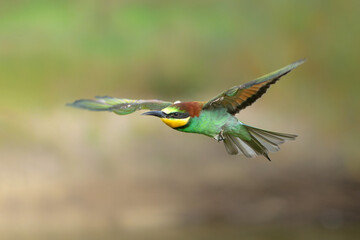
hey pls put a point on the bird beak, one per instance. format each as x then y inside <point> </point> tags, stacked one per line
<point>159,114</point>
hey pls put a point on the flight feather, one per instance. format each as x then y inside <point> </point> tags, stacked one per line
<point>242,96</point>
<point>121,106</point>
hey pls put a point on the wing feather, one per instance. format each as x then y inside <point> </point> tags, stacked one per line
<point>121,106</point>
<point>239,97</point>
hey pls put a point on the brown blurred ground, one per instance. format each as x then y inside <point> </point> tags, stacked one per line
<point>66,173</point>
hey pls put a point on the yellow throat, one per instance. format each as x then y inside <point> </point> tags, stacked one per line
<point>175,123</point>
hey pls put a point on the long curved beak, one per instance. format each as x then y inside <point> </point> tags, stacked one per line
<point>159,114</point>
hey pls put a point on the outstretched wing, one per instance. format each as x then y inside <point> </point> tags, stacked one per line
<point>239,97</point>
<point>119,106</point>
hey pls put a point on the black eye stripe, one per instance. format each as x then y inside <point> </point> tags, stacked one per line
<point>178,115</point>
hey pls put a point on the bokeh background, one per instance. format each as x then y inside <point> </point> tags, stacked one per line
<point>73,174</point>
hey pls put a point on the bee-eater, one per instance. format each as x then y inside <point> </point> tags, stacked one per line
<point>215,118</point>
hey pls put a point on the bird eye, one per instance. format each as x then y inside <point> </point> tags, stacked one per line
<point>175,114</point>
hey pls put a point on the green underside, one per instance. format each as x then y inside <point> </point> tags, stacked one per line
<point>212,122</point>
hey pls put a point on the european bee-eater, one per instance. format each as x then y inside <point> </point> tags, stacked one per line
<point>215,118</point>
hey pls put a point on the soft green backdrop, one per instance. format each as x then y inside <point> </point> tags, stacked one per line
<point>68,173</point>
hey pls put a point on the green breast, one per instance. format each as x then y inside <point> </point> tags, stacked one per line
<point>208,123</point>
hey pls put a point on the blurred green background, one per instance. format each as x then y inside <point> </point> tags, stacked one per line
<point>71,174</point>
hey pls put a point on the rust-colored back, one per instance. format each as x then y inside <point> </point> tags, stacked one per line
<point>193,108</point>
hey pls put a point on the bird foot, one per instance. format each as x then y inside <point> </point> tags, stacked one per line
<point>219,137</point>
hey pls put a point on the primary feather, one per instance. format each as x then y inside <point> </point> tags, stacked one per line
<point>121,106</point>
<point>242,96</point>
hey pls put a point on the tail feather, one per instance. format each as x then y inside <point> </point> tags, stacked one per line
<point>270,145</point>
<point>258,147</point>
<point>275,135</point>
<point>229,146</point>
<point>239,144</point>
<point>261,143</point>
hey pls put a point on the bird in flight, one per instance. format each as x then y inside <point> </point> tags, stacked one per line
<point>215,118</point>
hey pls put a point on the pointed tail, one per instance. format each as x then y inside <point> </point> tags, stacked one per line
<point>261,142</point>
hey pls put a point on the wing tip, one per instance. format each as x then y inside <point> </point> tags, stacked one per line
<point>297,63</point>
<point>70,105</point>
<point>86,104</point>
<point>76,103</point>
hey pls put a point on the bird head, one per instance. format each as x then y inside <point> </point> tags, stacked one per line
<point>179,114</point>
<point>172,116</point>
